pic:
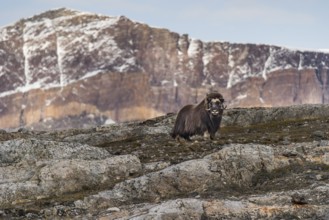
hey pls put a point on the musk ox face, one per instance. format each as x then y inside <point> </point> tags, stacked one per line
<point>215,104</point>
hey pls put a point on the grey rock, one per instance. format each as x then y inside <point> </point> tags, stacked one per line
<point>17,150</point>
<point>155,166</point>
<point>137,171</point>
<point>234,165</point>
<point>298,199</point>
<point>247,117</point>
<point>318,134</point>
<point>267,206</point>
<point>35,169</point>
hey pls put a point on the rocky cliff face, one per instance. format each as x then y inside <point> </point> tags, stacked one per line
<point>267,163</point>
<point>66,68</point>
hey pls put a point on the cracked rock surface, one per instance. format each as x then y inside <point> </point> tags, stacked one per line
<point>266,163</point>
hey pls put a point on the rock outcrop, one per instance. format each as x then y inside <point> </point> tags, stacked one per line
<point>267,163</point>
<point>65,68</point>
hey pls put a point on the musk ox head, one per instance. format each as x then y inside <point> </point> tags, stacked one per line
<point>214,104</point>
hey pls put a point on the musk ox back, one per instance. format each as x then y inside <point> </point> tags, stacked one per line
<point>198,119</point>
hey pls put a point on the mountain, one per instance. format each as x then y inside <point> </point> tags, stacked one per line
<point>65,68</point>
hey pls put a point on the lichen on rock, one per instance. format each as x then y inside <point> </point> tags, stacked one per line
<point>265,163</point>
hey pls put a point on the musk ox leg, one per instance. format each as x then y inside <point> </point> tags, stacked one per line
<point>206,135</point>
<point>178,136</point>
<point>186,137</point>
<point>173,134</point>
<point>209,135</point>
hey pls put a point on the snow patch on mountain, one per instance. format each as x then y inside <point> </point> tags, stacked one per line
<point>232,78</point>
<point>268,63</point>
<point>194,48</point>
<point>323,50</point>
<point>68,34</point>
<point>26,61</point>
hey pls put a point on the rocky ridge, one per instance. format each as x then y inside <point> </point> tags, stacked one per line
<point>266,163</point>
<point>65,68</point>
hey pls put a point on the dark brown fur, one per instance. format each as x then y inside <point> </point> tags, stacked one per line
<point>197,119</point>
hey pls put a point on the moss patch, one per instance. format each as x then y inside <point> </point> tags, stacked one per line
<point>161,147</point>
<point>294,176</point>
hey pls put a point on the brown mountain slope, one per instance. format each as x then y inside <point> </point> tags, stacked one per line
<point>66,68</point>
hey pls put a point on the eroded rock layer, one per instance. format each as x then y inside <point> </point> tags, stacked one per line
<point>65,68</point>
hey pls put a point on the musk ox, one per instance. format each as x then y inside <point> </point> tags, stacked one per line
<point>198,119</point>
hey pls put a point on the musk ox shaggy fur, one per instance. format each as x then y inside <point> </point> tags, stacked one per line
<point>198,119</point>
